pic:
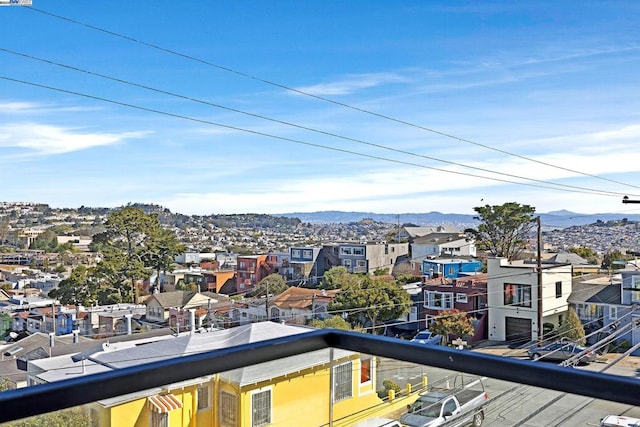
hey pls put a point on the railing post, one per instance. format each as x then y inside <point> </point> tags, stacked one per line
<point>331,387</point>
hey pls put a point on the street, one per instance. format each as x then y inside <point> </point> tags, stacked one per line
<point>519,405</point>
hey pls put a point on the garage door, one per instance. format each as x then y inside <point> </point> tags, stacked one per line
<point>518,329</point>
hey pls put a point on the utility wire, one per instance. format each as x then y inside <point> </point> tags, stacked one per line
<point>559,187</point>
<point>322,98</point>
<point>262,117</point>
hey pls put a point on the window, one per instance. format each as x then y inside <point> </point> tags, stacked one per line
<point>438,300</point>
<point>228,409</point>
<point>461,298</point>
<point>613,312</point>
<point>558,289</point>
<point>295,253</point>
<point>451,271</point>
<point>361,263</point>
<point>346,263</point>
<point>203,397</point>
<point>517,295</point>
<point>365,370</point>
<point>358,251</point>
<point>342,382</point>
<point>261,408</point>
<point>449,408</point>
<point>345,251</point>
<point>307,254</point>
<point>635,288</point>
<point>159,419</point>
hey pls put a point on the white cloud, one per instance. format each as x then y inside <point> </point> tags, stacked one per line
<point>353,83</point>
<point>16,107</point>
<point>46,139</point>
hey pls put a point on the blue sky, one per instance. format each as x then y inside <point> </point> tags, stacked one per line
<point>187,105</point>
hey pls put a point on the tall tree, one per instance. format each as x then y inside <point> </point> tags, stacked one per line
<point>503,229</point>
<point>80,288</point>
<point>375,299</point>
<point>123,246</point>
<point>162,247</point>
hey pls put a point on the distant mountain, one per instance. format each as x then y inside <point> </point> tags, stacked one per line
<point>555,219</point>
<point>413,218</point>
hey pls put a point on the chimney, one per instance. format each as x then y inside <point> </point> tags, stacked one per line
<point>128,319</point>
<point>192,320</point>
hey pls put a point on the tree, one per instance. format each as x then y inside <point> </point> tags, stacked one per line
<point>503,229</point>
<point>572,328</point>
<point>273,284</point>
<point>124,246</point>
<point>162,247</point>
<point>72,417</point>
<point>80,288</point>
<point>452,322</point>
<point>338,278</point>
<point>608,261</point>
<point>335,322</point>
<point>47,241</point>
<point>376,299</point>
<point>588,254</point>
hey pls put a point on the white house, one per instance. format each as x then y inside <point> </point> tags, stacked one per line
<point>437,244</point>
<point>513,293</point>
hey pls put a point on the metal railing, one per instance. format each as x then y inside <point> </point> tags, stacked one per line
<point>35,400</point>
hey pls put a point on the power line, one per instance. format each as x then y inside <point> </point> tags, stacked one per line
<point>322,98</point>
<point>559,187</point>
<point>262,117</point>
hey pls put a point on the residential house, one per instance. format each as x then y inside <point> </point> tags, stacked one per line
<point>450,268</point>
<point>304,264</point>
<point>580,265</point>
<point>443,244</point>
<point>158,306</point>
<point>608,307</point>
<point>413,321</point>
<point>15,355</point>
<point>304,390</point>
<point>364,257</point>
<point>466,293</point>
<point>513,294</point>
<point>410,233</point>
<point>298,305</point>
<point>220,282</point>
<point>192,277</point>
<point>251,270</point>
<point>120,321</point>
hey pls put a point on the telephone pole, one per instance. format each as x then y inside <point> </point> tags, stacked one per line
<point>539,274</point>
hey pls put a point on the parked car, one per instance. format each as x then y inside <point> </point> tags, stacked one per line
<point>619,421</point>
<point>462,405</point>
<point>378,422</point>
<point>561,351</point>
<point>427,337</point>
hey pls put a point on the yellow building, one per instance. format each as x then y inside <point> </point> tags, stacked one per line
<point>304,390</point>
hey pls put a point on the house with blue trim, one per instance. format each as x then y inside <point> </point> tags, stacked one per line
<point>450,268</point>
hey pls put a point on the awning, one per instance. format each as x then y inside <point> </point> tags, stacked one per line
<point>164,403</point>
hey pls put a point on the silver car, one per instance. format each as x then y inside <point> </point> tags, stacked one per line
<point>559,352</point>
<point>427,337</point>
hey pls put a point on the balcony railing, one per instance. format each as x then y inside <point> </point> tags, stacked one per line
<point>25,402</point>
